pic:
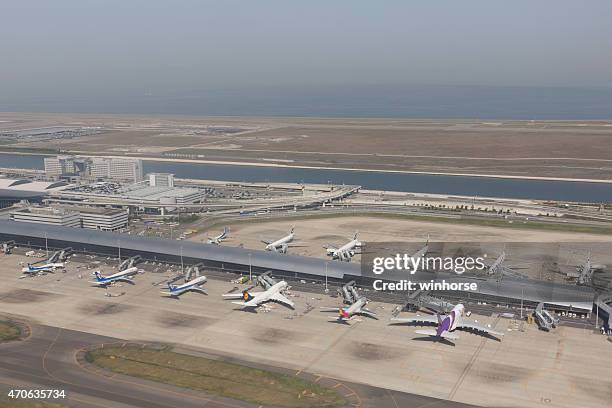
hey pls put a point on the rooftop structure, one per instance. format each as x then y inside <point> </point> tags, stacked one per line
<point>46,215</point>
<point>105,219</point>
<point>138,194</point>
<point>14,190</point>
<point>161,179</point>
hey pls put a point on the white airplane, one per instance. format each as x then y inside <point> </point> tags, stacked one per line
<point>216,240</point>
<point>48,267</point>
<point>254,299</point>
<point>123,276</point>
<point>584,273</point>
<point>447,324</point>
<point>355,309</point>
<point>498,268</point>
<point>192,285</point>
<point>280,245</point>
<point>344,252</point>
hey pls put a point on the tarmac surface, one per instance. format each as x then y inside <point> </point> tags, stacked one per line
<point>568,367</point>
<point>47,360</point>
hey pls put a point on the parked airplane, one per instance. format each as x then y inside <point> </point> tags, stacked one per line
<point>356,306</point>
<point>254,299</point>
<point>192,285</point>
<point>216,240</point>
<point>47,267</point>
<point>344,252</point>
<point>447,324</point>
<point>123,276</point>
<point>498,268</point>
<point>584,273</point>
<point>280,245</point>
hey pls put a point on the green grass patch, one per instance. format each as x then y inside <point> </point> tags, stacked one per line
<point>8,331</point>
<point>215,377</point>
<point>33,150</point>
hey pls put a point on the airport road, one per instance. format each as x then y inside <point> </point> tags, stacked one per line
<point>568,367</point>
<point>46,360</point>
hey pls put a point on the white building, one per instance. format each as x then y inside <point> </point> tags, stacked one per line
<point>46,215</point>
<point>116,168</point>
<point>124,169</point>
<point>161,179</point>
<point>105,219</point>
<point>59,165</point>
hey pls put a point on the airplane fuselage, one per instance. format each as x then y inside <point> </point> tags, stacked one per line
<point>42,268</point>
<point>123,275</point>
<point>273,246</point>
<point>348,312</point>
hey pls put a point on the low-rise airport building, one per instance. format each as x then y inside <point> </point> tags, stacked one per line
<point>510,290</point>
<point>104,219</point>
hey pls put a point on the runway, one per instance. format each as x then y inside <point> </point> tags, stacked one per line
<point>47,360</point>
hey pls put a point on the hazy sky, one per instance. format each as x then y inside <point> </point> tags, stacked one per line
<point>70,47</point>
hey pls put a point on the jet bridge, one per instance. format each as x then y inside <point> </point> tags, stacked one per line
<point>265,280</point>
<point>544,319</point>
<point>60,256</point>
<point>349,293</point>
<point>420,299</point>
<point>602,308</point>
<point>7,247</point>
<point>130,262</point>
<point>194,271</point>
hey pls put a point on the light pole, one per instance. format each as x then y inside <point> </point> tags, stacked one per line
<point>522,295</point>
<point>326,289</point>
<point>182,268</point>
<point>250,269</point>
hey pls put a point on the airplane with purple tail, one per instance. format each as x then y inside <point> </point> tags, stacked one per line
<point>447,324</point>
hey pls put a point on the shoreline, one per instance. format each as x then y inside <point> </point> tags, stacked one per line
<point>279,165</point>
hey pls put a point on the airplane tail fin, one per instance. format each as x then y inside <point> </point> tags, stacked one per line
<point>292,229</point>
<point>343,314</point>
<point>355,235</point>
<point>98,276</point>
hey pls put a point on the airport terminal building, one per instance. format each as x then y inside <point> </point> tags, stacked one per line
<point>242,260</point>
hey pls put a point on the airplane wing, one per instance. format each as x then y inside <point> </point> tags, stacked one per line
<point>478,327</point>
<point>417,319</point>
<point>329,309</point>
<point>330,246</point>
<point>266,241</point>
<point>239,295</point>
<point>282,299</point>
<point>368,313</point>
<point>199,290</point>
<point>249,303</point>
